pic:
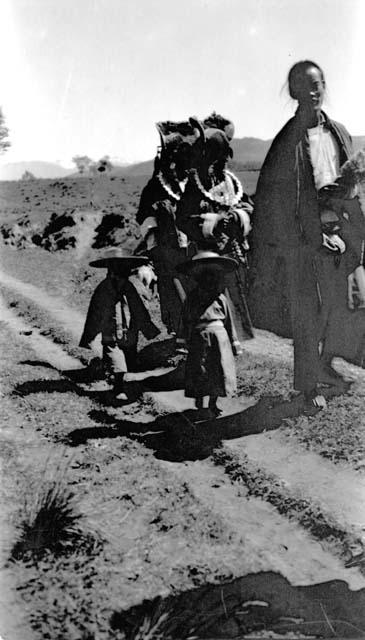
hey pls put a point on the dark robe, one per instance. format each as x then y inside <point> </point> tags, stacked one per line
<point>189,218</point>
<point>102,317</point>
<point>172,286</point>
<point>212,340</point>
<point>295,285</point>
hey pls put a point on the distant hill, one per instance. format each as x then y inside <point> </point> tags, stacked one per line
<point>249,154</point>
<point>139,169</point>
<point>40,169</point>
<point>249,151</point>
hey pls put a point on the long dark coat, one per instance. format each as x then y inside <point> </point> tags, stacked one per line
<point>172,286</point>
<point>101,317</point>
<point>294,283</point>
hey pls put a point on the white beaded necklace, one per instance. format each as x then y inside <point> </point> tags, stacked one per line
<point>224,192</point>
<point>168,188</point>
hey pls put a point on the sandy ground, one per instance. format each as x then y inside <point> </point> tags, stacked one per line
<point>179,504</point>
<point>306,473</point>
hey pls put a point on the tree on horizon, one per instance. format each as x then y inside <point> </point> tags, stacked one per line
<point>82,163</point>
<point>4,133</point>
<point>28,175</point>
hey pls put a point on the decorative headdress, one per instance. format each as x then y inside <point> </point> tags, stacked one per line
<point>216,121</point>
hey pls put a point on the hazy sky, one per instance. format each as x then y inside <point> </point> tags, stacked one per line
<point>93,76</point>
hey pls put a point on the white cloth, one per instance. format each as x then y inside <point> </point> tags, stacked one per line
<point>148,231</point>
<point>122,318</point>
<point>325,156</point>
<point>117,359</point>
<point>333,242</point>
<point>356,288</point>
<point>209,223</point>
<point>244,220</point>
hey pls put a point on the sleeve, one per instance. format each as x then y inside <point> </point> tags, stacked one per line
<point>230,327</point>
<point>149,196</point>
<point>275,195</point>
<point>93,322</point>
<point>141,314</point>
<point>186,320</point>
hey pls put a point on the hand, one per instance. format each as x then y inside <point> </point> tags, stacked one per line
<point>237,349</point>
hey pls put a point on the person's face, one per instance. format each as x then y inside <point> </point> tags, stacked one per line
<point>119,280</point>
<point>211,279</point>
<point>311,91</point>
<point>177,159</point>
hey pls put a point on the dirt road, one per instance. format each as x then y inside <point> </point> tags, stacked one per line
<point>282,507</point>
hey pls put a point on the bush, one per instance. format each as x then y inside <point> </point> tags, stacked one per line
<point>49,520</point>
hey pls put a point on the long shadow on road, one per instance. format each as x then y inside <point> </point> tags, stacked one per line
<point>174,436</point>
<point>258,605</point>
<point>177,436</point>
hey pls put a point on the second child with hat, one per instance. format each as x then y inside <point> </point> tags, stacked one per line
<point>209,331</point>
<point>118,313</point>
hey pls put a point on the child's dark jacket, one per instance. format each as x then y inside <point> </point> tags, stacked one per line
<point>117,325</point>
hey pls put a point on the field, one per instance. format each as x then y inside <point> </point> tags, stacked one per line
<point>132,521</point>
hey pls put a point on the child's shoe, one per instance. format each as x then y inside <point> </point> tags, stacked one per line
<point>214,409</point>
<point>118,387</point>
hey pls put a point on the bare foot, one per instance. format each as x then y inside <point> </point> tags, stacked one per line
<point>121,396</point>
<point>316,402</point>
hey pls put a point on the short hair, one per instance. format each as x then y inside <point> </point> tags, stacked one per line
<point>295,76</point>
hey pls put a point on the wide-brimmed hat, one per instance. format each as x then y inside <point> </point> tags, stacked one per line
<point>205,259</point>
<point>119,260</point>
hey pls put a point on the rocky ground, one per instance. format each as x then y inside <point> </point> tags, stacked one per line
<point>133,520</point>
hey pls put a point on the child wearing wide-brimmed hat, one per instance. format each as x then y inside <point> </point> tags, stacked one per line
<point>210,334</point>
<point>118,313</point>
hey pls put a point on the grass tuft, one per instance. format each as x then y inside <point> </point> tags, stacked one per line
<point>49,520</point>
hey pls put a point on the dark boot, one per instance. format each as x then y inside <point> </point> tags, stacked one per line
<point>213,407</point>
<point>118,387</point>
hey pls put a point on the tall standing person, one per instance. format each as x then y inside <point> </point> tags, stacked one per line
<point>294,274</point>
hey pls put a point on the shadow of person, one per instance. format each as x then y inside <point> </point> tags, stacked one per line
<point>110,429</point>
<point>175,436</point>
<point>89,373</point>
<point>229,610</point>
<point>183,436</point>
<point>76,381</point>
<point>45,386</point>
<point>105,397</point>
<point>170,381</point>
<point>158,353</point>
<point>38,363</point>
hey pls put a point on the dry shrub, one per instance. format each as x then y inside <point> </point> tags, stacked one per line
<point>49,520</point>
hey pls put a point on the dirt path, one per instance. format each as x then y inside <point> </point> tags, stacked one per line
<point>258,522</point>
<point>309,476</point>
<point>270,494</point>
<point>270,540</point>
<point>43,347</point>
<point>71,319</point>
